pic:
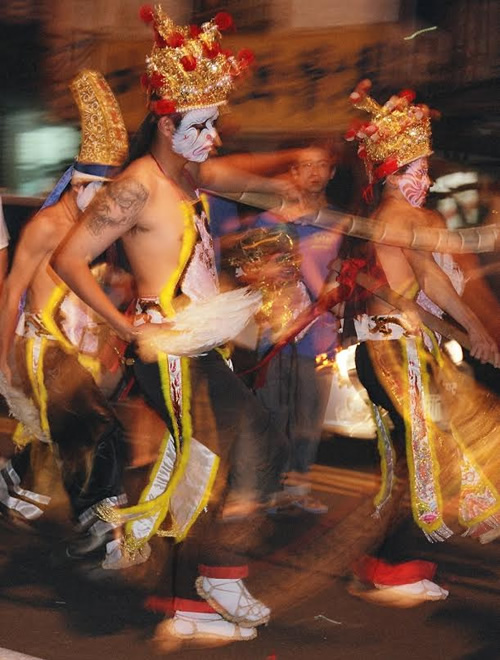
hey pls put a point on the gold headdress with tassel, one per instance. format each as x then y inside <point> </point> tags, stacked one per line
<point>397,134</point>
<point>187,68</point>
<point>104,139</point>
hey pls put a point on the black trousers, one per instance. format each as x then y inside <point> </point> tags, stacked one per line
<point>296,395</point>
<point>404,541</point>
<point>227,418</point>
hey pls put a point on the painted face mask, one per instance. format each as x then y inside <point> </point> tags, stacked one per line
<point>86,194</point>
<point>415,182</point>
<point>196,134</point>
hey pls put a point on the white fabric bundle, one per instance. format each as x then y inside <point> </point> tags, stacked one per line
<point>202,325</point>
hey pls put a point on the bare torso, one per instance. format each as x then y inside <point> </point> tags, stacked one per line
<point>59,218</point>
<point>153,245</point>
<point>42,286</point>
<point>400,276</point>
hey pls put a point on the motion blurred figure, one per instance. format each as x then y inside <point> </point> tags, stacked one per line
<point>155,207</point>
<point>294,390</point>
<point>4,244</point>
<point>71,413</point>
<point>398,354</point>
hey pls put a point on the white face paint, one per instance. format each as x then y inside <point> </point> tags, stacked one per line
<point>196,134</point>
<point>86,194</point>
<point>415,182</point>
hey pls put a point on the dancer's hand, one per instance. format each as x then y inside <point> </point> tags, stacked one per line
<point>146,336</point>
<point>483,346</point>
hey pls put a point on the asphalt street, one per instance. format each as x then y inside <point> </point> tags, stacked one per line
<point>300,567</point>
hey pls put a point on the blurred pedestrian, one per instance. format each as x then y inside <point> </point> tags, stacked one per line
<point>296,389</point>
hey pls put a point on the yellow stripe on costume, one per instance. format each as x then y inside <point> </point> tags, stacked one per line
<point>418,505</point>
<point>88,362</point>
<point>188,242</point>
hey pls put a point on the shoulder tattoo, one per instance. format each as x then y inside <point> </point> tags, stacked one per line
<point>118,204</point>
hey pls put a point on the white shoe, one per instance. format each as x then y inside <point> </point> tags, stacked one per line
<point>422,590</point>
<point>200,629</point>
<point>233,601</point>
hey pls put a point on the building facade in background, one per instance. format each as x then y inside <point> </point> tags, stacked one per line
<point>308,58</point>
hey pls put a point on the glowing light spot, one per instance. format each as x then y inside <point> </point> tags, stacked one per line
<point>418,32</point>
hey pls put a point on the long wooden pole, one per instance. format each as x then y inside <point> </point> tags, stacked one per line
<point>429,239</point>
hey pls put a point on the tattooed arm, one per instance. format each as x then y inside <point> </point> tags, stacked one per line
<point>113,212</point>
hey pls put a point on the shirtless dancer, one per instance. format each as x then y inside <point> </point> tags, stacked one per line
<point>155,208</point>
<point>395,146</point>
<point>73,414</point>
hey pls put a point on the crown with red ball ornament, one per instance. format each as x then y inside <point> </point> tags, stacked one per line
<point>187,67</point>
<point>398,132</point>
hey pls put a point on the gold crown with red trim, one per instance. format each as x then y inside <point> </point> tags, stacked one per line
<point>398,133</point>
<point>187,67</point>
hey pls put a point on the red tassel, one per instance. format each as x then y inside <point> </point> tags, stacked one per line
<point>407,94</point>
<point>175,40</point>
<point>224,21</point>
<point>163,107</point>
<point>157,80</point>
<point>159,40</point>
<point>388,167</point>
<point>211,51</point>
<point>246,56</point>
<point>146,14</point>
<point>188,62</point>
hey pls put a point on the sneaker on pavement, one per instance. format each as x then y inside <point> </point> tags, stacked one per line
<point>310,504</point>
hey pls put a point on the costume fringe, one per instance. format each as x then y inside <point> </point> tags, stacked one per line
<point>24,410</point>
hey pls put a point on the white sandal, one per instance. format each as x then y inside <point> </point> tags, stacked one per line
<point>423,589</point>
<point>233,601</point>
<point>199,629</point>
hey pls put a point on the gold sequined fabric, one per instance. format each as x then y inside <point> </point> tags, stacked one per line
<point>104,136</point>
<point>398,132</point>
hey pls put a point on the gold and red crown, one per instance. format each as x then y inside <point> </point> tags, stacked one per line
<point>187,67</point>
<point>398,133</point>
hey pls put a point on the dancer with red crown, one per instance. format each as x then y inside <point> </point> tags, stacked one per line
<point>399,361</point>
<point>181,322</point>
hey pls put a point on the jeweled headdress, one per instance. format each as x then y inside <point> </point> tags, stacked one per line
<point>104,139</point>
<point>187,68</point>
<point>398,133</point>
